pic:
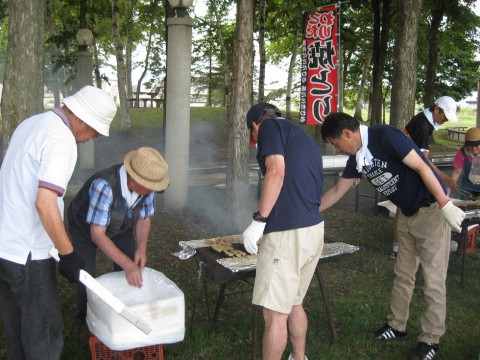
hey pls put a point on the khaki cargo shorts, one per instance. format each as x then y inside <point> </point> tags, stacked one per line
<point>285,266</point>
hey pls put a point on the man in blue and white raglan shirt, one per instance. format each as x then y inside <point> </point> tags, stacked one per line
<point>394,165</point>
<point>288,217</point>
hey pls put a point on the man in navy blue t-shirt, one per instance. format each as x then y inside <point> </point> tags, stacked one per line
<point>289,219</point>
<point>394,165</point>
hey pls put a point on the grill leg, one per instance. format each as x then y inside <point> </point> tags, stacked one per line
<point>200,278</point>
<point>464,244</point>
<point>221,297</point>
<point>326,303</point>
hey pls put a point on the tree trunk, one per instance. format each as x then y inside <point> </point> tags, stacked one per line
<point>226,70</point>
<point>404,79</point>
<point>261,50</point>
<point>343,66</point>
<point>237,161</point>
<point>380,42</point>
<point>121,69</point>
<point>146,63</point>
<point>437,14</point>
<point>361,89</point>
<point>23,82</point>
<point>96,65</point>
<point>53,54</point>
<point>210,78</point>
<point>478,104</point>
<point>291,68</point>
<point>128,51</point>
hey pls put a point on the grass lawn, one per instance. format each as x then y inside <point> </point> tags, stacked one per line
<point>358,286</point>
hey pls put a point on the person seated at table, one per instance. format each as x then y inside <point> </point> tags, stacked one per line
<point>467,164</point>
<point>112,211</point>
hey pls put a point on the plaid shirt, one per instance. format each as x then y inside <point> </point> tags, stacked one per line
<point>101,199</point>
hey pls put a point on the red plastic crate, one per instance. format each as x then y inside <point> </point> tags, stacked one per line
<point>471,239</point>
<point>101,352</point>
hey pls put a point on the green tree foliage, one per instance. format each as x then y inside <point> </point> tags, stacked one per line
<point>209,61</point>
<point>356,40</point>
<point>152,38</point>
<point>458,42</point>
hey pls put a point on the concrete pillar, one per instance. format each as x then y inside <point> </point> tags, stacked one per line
<point>177,108</point>
<point>86,151</point>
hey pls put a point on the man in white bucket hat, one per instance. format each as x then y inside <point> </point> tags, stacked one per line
<point>112,212</point>
<point>34,175</point>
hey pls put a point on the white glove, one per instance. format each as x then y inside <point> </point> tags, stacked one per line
<point>453,216</point>
<point>251,235</point>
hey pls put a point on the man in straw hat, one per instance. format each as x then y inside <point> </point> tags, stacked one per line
<point>467,164</point>
<point>35,172</point>
<point>112,211</point>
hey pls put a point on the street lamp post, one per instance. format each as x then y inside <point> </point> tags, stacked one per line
<point>177,105</point>
<point>86,151</point>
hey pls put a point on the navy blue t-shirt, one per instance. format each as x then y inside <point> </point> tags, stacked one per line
<point>299,200</point>
<point>396,181</point>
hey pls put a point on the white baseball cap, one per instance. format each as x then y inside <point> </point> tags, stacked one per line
<point>94,107</point>
<point>449,107</point>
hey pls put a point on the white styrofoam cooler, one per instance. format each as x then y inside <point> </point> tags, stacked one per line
<point>160,302</point>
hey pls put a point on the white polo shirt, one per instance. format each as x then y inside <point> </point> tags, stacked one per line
<point>42,153</point>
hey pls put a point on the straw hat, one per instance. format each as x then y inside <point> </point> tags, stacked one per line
<point>94,107</point>
<point>472,137</point>
<point>148,168</point>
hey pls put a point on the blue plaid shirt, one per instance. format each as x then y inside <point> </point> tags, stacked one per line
<point>101,199</point>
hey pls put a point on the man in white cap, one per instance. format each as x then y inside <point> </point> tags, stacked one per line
<point>112,212</point>
<point>34,175</point>
<point>420,129</point>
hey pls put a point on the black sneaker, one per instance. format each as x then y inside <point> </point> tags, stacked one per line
<point>393,254</point>
<point>386,332</point>
<point>425,351</point>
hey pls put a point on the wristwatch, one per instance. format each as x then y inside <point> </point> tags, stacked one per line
<point>259,217</point>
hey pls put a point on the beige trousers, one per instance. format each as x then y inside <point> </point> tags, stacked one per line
<point>424,239</point>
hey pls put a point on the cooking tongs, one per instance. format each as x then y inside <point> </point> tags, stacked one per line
<point>467,194</point>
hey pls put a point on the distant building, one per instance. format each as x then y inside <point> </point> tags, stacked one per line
<point>470,102</point>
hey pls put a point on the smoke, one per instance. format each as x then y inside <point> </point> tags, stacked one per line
<point>207,197</point>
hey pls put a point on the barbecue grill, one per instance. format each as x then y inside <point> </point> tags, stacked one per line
<point>222,269</point>
<point>472,216</point>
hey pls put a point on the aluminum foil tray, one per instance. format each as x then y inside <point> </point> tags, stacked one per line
<point>235,264</point>
<point>337,248</point>
<point>189,247</point>
<point>249,262</point>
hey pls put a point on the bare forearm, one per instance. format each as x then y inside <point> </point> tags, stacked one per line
<point>142,230</point>
<point>272,185</point>
<point>49,213</point>
<point>334,194</point>
<point>433,185</point>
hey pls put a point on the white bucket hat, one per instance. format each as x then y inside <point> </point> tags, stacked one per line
<point>449,107</point>
<point>94,107</point>
<point>148,168</point>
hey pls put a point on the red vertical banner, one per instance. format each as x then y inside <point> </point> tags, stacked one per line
<point>319,76</point>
